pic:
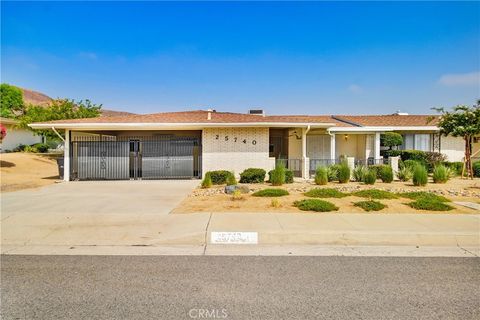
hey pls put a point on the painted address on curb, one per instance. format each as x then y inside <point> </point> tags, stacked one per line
<point>234,238</point>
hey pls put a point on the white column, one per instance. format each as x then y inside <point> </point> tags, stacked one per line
<point>377,145</point>
<point>66,156</point>
<point>332,146</point>
<point>305,163</point>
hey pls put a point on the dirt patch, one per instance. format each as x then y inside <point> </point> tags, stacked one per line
<point>214,200</point>
<point>26,170</point>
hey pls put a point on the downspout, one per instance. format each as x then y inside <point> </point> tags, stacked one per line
<point>58,134</point>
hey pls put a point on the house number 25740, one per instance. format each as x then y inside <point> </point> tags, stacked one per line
<point>235,139</point>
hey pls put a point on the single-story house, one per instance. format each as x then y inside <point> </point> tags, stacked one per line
<point>16,136</point>
<point>188,144</point>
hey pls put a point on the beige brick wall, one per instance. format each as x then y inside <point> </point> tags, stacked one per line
<point>235,149</point>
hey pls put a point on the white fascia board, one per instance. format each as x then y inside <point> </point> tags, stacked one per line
<point>382,129</point>
<point>168,126</point>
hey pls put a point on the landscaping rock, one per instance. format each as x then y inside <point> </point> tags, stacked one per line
<point>232,189</point>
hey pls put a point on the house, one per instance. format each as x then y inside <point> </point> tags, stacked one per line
<point>188,144</point>
<point>16,136</point>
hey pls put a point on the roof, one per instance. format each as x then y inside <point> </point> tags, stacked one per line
<point>390,120</point>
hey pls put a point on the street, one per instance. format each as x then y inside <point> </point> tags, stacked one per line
<point>220,287</point>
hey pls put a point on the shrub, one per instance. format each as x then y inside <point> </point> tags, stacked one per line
<point>315,205</point>
<point>288,176</point>
<point>40,147</point>
<point>456,167</point>
<point>375,194</point>
<point>271,193</point>
<point>325,193</point>
<point>207,181</point>
<point>359,172</point>
<point>423,195</point>
<point>428,159</point>
<point>476,169</point>
<point>386,174</point>
<point>231,181</point>
<point>378,169</point>
<point>343,173</point>
<point>420,176</point>
<point>321,176</point>
<point>430,205</point>
<point>252,175</point>
<point>237,195</point>
<point>19,148</point>
<point>411,164</point>
<point>275,203</point>
<point>441,174</point>
<point>332,172</point>
<point>405,174</point>
<point>219,176</point>
<point>370,177</point>
<point>391,139</point>
<point>277,178</point>
<point>370,205</point>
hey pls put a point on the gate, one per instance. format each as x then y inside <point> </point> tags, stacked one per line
<point>162,157</point>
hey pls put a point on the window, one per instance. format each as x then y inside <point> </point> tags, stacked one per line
<point>420,142</point>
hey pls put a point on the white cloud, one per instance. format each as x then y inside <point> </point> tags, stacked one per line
<point>355,88</point>
<point>88,55</point>
<point>460,79</point>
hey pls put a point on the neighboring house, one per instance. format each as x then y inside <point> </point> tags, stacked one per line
<point>16,136</point>
<point>188,144</point>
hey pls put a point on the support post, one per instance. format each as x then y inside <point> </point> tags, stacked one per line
<point>332,146</point>
<point>66,156</point>
<point>305,162</point>
<point>394,164</point>
<point>377,145</point>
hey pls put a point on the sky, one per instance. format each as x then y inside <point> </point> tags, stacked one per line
<point>283,57</point>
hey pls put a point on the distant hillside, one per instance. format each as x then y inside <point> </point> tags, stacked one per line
<point>38,98</point>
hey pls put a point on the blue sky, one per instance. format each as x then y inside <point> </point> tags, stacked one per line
<point>291,58</point>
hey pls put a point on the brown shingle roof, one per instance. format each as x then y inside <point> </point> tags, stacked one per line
<point>390,120</point>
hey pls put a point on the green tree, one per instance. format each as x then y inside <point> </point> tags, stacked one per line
<point>59,109</point>
<point>391,139</point>
<point>11,101</point>
<point>462,121</point>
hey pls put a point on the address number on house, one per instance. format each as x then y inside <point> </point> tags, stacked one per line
<point>234,139</point>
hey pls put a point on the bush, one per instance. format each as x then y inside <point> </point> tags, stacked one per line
<point>411,164</point>
<point>332,172</point>
<point>288,176</point>
<point>423,195</point>
<point>476,169</point>
<point>252,175</point>
<point>370,177</point>
<point>428,159</point>
<point>420,176</point>
<point>378,168</point>
<point>375,194</point>
<point>359,172</point>
<point>219,176</point>
<point>277,178</point>
<point>325,193</point>
<point>321,176</point>
<point>231,181</point>
<point>430,205</point>
<point>275,203</point>
<point>343,173</point>
<point>405,174</point>
<point>441,174</point>
<point>370,205</point>
<point>386,174</point>
<point>271,193</point>
<point>40,147</point>
<point>456,167</point>
<point>315,205</point>
<point>237,195</point>
<point>207,181</point>
<point>391,139</point>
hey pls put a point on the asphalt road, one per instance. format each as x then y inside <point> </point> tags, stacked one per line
<point>202,287</point>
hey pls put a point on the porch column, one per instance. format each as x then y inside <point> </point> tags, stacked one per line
<point>66,156</point>
<point>377,145</point>
<point>332,146</point>
<point>305,162</point>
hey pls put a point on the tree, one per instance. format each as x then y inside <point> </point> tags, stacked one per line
<point>11,101</point>
<point>462,121</point>
<point>59,109</point>
<point>391,139</point>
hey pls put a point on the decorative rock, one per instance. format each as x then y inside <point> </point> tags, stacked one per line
<point>232,189</point>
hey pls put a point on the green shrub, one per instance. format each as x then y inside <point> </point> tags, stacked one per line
<point>271,193</point>
<point>423,195</point>
<point>370,176</point>
<point>476,169</point>
<point>375,194</point>
<point>277,178</point>
<point>321,176</point>
<point>378,169</point>
<point>441,174</point>
<point>219,176</point>
<point>288,176</point>
<point>456,167</point>
<point>315,205</point>
<point>427,159</point>
<point>411,164</point>
<point>370,205</point>
<point>252,175</point>
<point>332,172</point>
<point>343,173</point>
<point>207,181</point>
<point>325,193</point>
<point>231,181</point>
<point>430,205</point>
<point>386,174</point>
<point>359,172</point>
<point>420,176</point>
<point>40,147</point>
<point>404,174</point>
